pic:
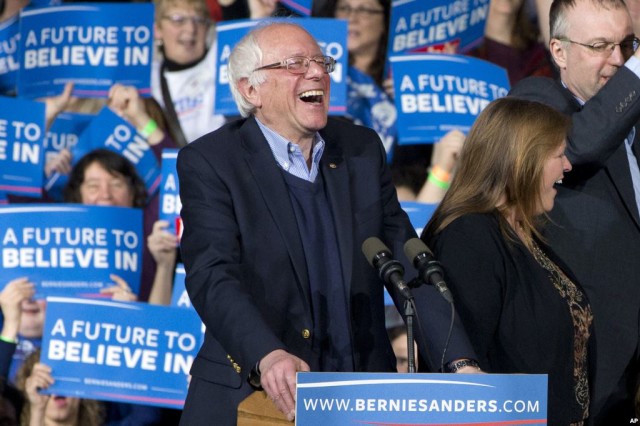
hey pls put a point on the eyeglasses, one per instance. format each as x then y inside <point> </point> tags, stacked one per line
<point>300,64</point>
<point>606,48</point>
<point>346,10</point>
<point>180,20</point>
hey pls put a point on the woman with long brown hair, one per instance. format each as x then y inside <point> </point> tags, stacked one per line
<point>523,309</point>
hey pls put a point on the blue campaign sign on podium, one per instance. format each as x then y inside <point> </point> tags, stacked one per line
<point>421,399</point>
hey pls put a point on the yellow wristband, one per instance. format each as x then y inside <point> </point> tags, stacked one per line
<point>149,128</point>
<point>437,182</point>
<point>440,173</point>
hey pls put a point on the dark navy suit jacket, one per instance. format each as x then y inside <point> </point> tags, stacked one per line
<point>595,228</point>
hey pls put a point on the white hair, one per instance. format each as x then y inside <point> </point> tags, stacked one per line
<point>245,57</point>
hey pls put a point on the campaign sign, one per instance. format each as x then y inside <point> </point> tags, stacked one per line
<point>170,204</point>
<point>447,26</point>
<point>369,105</point>
<point>9,62</point>
<point>120,351</point>
<point>331,35</point>
<point>22,131</point>
<point>436,93</point>
<point>93,45</point>
<point>71,249</point>
<point>419,213</point>
<point>108,130</point>
<point>42,3</point>
<point>63,134</point>
<point>301,7</point>
<point>179,296</point>
<point>419,399</point>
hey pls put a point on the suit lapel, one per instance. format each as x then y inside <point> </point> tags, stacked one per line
<point>618,170</point>
<point>268,178</point>
<point>336,178</point>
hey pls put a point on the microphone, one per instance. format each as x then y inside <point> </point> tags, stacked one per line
<point>390,270</point>
<point>429,269</point>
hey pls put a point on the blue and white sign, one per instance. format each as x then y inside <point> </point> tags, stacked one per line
<point>63,134</point>
<point>9,60</point>
<point>419,213</point>
<point>118,351</point>
<point>42,3</point>
<point>170,204</point>
<point>436,93</point>
<point>446,26</point>
<point>93,44</point>
<point>301,7</point>
<point>331,35</point>
<point>22,132</point>
<point>421,399</point>
<point>108,130</point>
<point>71,249</point>
<point>179,296</point>
<point>370,106</point>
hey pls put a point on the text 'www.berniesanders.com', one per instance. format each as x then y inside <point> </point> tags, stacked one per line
<point>420,405</point>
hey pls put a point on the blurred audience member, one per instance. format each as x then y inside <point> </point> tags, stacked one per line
<point>52,410</point>
<point>512,41</point>
<point>183,75</point>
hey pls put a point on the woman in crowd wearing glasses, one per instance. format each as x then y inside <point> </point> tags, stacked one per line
<point>184,72</point>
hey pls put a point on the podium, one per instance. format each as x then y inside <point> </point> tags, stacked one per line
<point>258,410</point>
<point>338,399</point>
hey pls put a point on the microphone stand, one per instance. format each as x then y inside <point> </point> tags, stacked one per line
<point>409,313</point>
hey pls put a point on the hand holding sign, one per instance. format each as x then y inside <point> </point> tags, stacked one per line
<point>54,105</point>
<point>40,378</point>
<point>162,244</point>
<point>10,303</point>
<point>120,291</point>
<point>126,102</point>
<point>58,163</point>
<point>446,151</point>
<point>262,8</point>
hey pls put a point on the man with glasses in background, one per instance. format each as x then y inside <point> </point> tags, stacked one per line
<point>595,224</point>
<point>276,207</point>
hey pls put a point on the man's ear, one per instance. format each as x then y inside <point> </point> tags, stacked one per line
<point>558,52</point>
<point>249,92</point>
